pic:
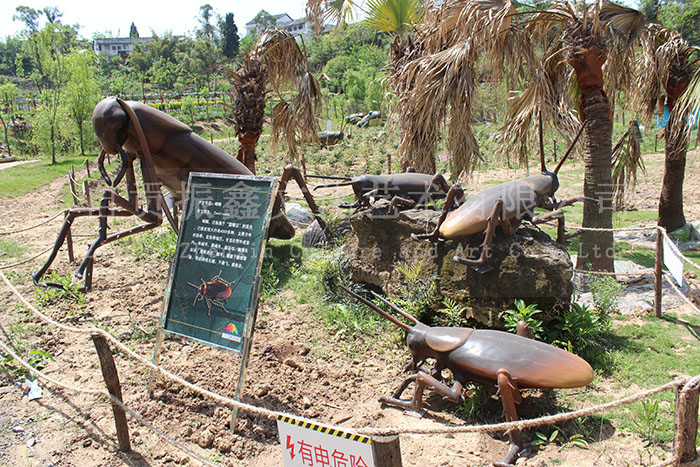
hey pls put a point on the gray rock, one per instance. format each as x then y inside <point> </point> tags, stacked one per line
<point>530,265</point>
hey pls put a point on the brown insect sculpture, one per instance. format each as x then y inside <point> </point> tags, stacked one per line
<point>502,361</point>
<point>168,150</point>
<point>407,189</point>
<point>505,205</point>
<point>214,292</point>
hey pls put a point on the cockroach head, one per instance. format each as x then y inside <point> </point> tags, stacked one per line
<point>110,122</point>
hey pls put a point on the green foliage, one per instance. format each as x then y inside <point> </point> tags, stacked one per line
<point>82,94</point>
<point>646,419</point>
<point>452,314</point>
<point>397,16</point>
<point>606,295</point>
<point>230,42</point>
<point>417,292</point>
<point>159,244</point>
<point>475,402</point>
<point>558,436</point>
<point>35,357</point>
<point>68,292</point>
<point>578,329</point>
<point>525,313</point>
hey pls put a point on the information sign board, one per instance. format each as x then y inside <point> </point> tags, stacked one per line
<point>214,285</point>
<point>673,261</point>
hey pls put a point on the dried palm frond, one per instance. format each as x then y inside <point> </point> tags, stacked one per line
<point>315,13</point>
<point>283,58</point>
<point>627,162</point>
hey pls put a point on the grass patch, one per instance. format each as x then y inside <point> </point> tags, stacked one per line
<point>22,179</point>
<point>11,249</point>
<point>159,243</point>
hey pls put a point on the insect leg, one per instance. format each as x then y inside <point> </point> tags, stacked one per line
<point>454,194</point>
<point>399,201</point>
<point>510,396</point>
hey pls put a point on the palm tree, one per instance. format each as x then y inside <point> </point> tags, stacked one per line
<point>274,65</point>
<point>590,39</point>
<point>666,68</point>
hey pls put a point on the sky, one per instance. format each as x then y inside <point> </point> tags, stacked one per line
<point>176,16</point>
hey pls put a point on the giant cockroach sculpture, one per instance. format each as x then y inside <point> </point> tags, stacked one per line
<point>497,359</point>
<point>406,190</point>
<point>505,205</point>
<point>168,150</point>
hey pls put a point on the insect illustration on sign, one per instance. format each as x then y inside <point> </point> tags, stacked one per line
<point>214,292</point>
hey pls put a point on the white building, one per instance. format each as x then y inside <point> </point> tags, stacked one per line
<point>117,45</point>
<point>296,27</point>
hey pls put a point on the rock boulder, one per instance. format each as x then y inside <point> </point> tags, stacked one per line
<point>529,265</point>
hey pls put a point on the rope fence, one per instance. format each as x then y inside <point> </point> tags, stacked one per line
<point>12,232</point>
<point>687,383</point>
<point>506,426</point>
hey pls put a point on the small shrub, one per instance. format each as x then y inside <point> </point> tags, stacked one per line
<point>646,419</point>
<point>452,315</point>
<point>606,293</point>
<point>577,329</point>
<point>417,294</point>
<point>525,313</point>
<point>160,244</point>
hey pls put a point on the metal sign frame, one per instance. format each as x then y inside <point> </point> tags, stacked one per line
<point>253,299</point>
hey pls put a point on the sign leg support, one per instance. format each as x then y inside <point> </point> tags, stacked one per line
<point>156,359</point>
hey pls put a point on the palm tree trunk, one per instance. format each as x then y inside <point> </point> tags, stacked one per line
<point>671,215</point>
<point>596,250</point>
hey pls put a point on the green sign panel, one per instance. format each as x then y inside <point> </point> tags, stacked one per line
<point>215,276</point>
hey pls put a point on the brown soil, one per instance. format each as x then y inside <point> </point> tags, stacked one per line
<point>295,367</point>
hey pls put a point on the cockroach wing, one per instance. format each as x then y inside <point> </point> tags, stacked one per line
<point>443,339</point>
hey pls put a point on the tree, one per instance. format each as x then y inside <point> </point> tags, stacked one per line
<point>140,63</point>
<point>29,16</point>
<point>263,21</point>
<point>133,32</point>
<point>45,50</point>
<point>666,69</point>
<point>204,18</point>
<point>82,93</point>
<point>395,16</point>
<point>435,76</point>
<point>204,55</point>
<point>275,64</point>
<point>53,14</point>
<point>8,91</point>
<point>230,42</point>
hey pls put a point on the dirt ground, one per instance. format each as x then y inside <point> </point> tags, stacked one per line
<point>295,367</point>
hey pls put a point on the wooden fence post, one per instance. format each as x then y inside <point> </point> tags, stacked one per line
<point>71,180</point>
<point>685,426</point>
<point>388,162</point>
<point>87,167</point>
<point>656,140</point>
<point>86,191</point>
<point>386,451</point>
<point>554,143</point>
<point>109,373</point>
<point>658,272</point>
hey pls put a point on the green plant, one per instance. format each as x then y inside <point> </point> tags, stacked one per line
<point>606,293</point>
<point>559,436</point>
<point>157,243</point>
<point>577,329</point>
<point>67,291</point>
<point>417,293</point>
<point>36,358</point>
<point>646,419</point>
<point>452,314</point>
<point>476,398</point>
<point>525,313</point>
